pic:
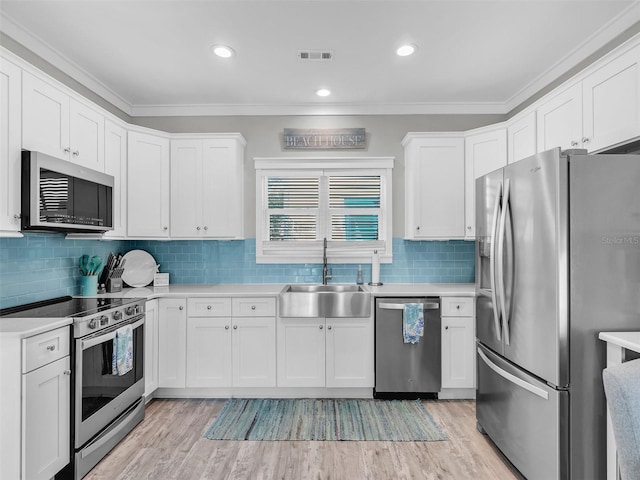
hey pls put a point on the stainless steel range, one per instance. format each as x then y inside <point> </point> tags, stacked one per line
<point>107,401</point>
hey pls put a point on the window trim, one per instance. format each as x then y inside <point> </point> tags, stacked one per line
<point>322,166</point>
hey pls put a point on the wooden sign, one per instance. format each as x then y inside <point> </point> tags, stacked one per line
<point>324,138</point>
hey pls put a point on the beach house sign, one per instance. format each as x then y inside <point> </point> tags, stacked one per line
<point>324,138</point>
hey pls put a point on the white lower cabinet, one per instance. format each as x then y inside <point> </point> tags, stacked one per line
<point>35,401</point>
<point>325,352</point>
<point>172,342</point>
<point>458,348</point>
<point>230,342</point>
<point>151,348</point>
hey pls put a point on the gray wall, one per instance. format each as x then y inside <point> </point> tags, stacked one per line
<point>264,139</point>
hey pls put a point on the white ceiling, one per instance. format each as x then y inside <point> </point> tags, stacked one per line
<point>152,57</point>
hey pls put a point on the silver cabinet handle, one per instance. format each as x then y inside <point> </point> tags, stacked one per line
<point>67,372</point>
<point>198,228</point>
<point>165,228</point>
<point>321,327</point>
<point>235,327</point>
<point>418,227</point>
<point>208,307</point>
<point>226,327</point>
<point>180,307</point>
<point>67,150</point>
<point>329,327</point>
<point>206,228</point>
<point>16,216</point>
<point>574,143</point>
<point>447,327</point>
<point>76,153</point>
<point>51,348</point>
<point>253,307</point>
<point>585,139</point>
<point>400,306</point>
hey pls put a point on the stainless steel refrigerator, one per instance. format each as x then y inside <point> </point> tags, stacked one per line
<point>557,261</point>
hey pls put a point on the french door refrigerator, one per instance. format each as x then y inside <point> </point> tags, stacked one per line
<point>557,261</point>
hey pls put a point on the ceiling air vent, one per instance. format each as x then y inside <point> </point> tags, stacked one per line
<point>315,55</point>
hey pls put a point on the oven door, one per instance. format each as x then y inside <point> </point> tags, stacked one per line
<point>100,395</point>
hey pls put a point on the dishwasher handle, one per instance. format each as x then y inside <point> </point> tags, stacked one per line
<point>400,306</point>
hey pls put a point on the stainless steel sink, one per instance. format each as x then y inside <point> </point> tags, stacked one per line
<point>325,301</point>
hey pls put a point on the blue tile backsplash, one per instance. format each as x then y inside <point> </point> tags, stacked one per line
<point>42,266</point>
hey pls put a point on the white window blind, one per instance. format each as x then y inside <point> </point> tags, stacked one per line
<point>297,210</point>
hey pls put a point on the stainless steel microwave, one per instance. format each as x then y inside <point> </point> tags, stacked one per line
<point>62,196</point>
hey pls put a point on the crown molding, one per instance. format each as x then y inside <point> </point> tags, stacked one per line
<point>626,19</point>
<point>35,44</point>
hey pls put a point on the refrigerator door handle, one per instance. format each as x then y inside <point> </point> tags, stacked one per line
<point>492,265</point>
<point>512,378</point>
<point>500,261</point>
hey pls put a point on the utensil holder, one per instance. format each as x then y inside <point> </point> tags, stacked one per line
<point>88,285</point>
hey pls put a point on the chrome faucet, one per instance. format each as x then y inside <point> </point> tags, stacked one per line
<point>326,272</point>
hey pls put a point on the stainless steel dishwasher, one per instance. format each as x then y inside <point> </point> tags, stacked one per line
<point>404,369</point>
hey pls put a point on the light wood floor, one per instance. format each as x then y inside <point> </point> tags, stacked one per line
<point>168,444</point>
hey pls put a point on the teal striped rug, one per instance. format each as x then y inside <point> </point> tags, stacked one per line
<point>324,419</point>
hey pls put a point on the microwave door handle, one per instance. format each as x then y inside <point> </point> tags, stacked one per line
<point>107,336</point>
<point>492,265</point>
<point>500,262</point>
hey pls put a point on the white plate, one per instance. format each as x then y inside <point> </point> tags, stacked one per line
<point>139,269</point>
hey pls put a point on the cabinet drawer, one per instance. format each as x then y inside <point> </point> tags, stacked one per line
<point>45,348</point>
<point>457,306</point>
<point>254,307</point>
<point>209,307</point>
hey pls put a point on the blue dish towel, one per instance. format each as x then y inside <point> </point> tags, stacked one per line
<point>122,358</point>
<point>412,322</point>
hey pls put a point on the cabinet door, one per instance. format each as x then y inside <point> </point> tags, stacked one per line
<point>147,186</point>
<point>301,352</point>
<point>559,120</point>
<point>10,136</point>
<point>115,163</point>
<point>208,352</point>
<point>46,419</point>
<point>484,152</point>
<point>186,188</point>
<point>611,100</point>
<point>434,197</point>
<point>151,348</point>
<point>172,342</point>
<point>458,352</point>
<point>45,117</point>
<point>222,196</point>
<point>86,136</point>
<point>254,352</point>
<point>521,138</point>
<point>350,360</point>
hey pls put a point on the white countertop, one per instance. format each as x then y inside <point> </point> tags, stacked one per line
<point>628,340</point>
<point>265,290</point>
<point>27,327</point>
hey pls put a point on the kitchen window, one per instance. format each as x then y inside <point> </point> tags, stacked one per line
<point>301,201</point>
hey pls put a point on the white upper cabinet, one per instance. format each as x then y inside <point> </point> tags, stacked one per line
<point>115,163</point>
<point>59,125</point>
<point>10,113</point>
<point>147,186</point>
<point>559,120</point>
<point>521,137</point>
<point>434,186</point>
<point>485,151</point>
<point>207,187</point>
<point>611,102</point>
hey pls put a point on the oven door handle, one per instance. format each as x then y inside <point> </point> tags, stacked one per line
<point>107,336</point>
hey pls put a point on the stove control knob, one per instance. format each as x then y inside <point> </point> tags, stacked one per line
<point>93,323</point>
<point>117,315</point>
<point>130,310</point>
<point>138,309</point>
<point>104,320</point>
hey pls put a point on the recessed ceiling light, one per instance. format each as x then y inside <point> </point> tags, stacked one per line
<point>406,50</point>
<point>323,92</point>
<point>223,51</point>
